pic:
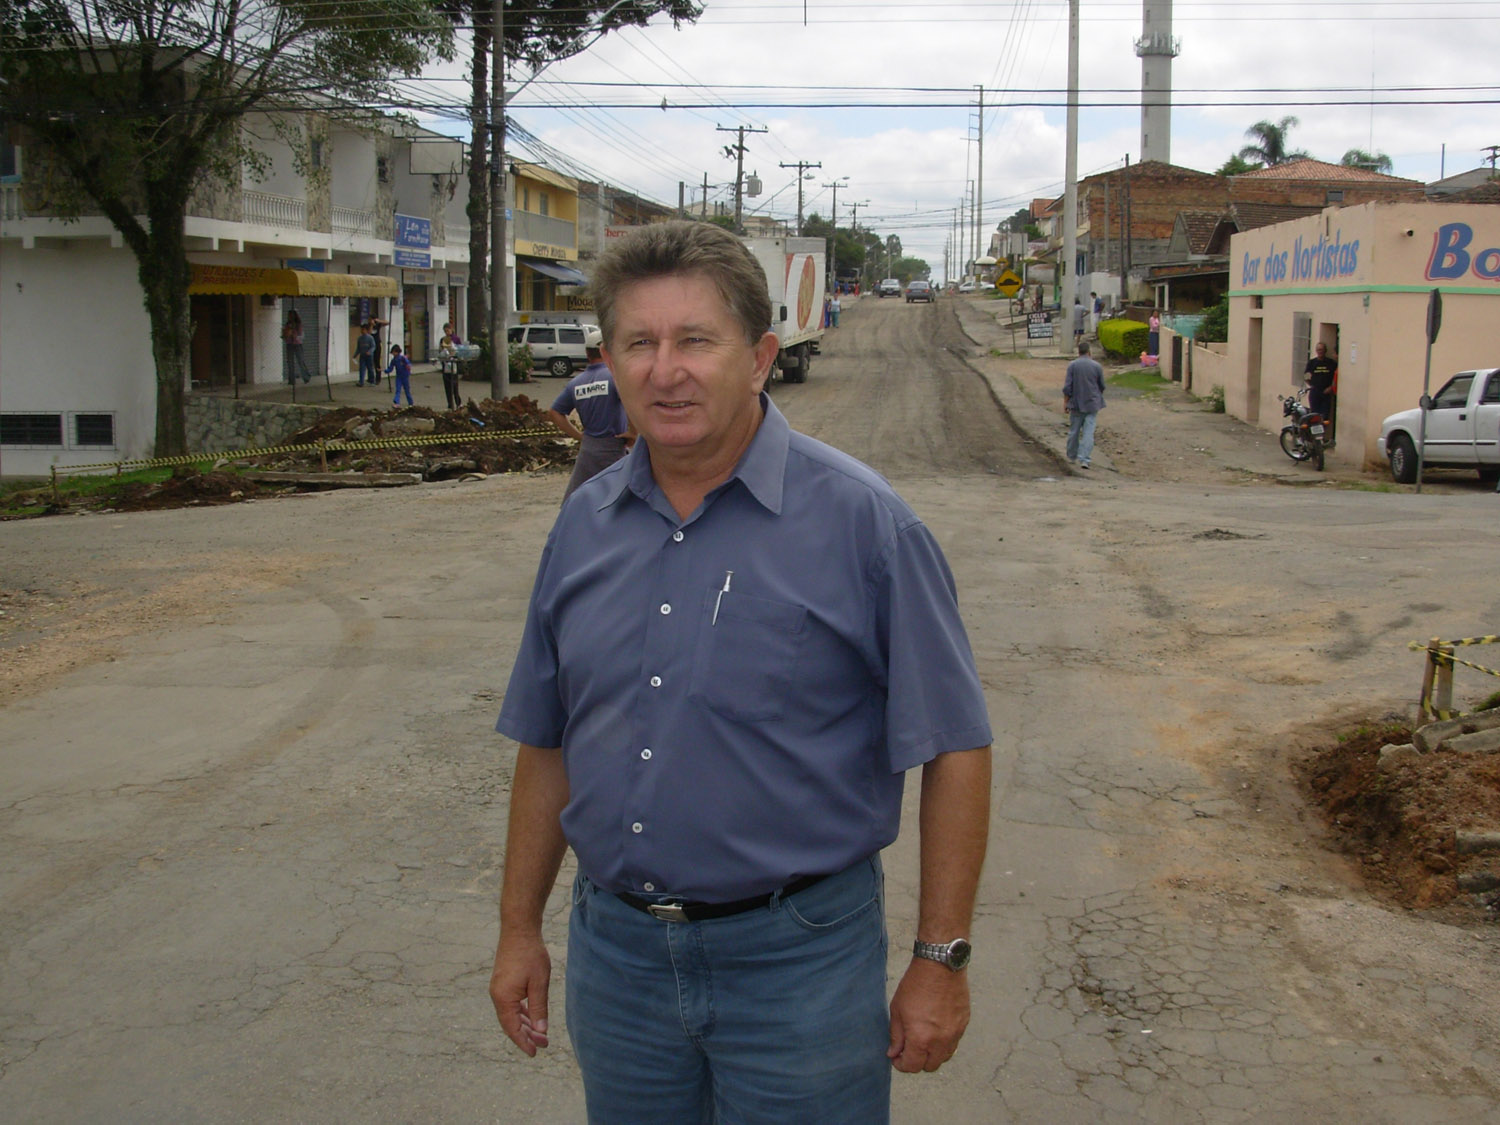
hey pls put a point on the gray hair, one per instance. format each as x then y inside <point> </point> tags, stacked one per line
<point>680,247</point>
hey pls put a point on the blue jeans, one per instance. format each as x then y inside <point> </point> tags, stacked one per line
<point>294,360</point>
<point>403,383</point>
<point>1081,435</point>
<point>772,1016</point>
<point>366,369</point>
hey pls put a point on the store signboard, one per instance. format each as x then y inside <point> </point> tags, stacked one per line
<point>413,242</point>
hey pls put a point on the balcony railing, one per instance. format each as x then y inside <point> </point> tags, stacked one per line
<point>265,210</point>
<point>353,220</point>
<point>544,228</point>
<point>10,202</point>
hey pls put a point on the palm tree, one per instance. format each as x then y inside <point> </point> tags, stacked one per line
<point>1270,143</point>
<point>1373,161</point>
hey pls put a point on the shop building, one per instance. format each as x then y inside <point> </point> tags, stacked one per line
<point>544,240</point>
<point>1358,279</point>
<point>359,223</point>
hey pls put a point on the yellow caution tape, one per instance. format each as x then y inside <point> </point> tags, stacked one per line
<point>1493,638</point>
<point>1440,656</point>
<point>331,445</point>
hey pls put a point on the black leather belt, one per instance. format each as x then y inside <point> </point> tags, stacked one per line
<point>701,911</point>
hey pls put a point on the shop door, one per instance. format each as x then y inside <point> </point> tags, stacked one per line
<point>314,331</point>
<point>415,314</point>
<point>218,347</point>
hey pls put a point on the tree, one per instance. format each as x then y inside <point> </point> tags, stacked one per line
<point>1019,221</point>
<point>908,268</point>
<point>1270,143</point>
<point>141,104</point>
<point>1373,161</point>
<point>537,32</point>
<point>1234,166</point>
<point>1214,327</point>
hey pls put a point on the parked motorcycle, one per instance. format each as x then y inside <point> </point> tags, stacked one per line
<point>1303,438</point>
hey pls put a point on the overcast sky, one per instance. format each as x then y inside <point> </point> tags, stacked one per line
<point>886,94</point>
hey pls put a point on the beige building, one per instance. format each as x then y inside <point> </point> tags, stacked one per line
<point>1358,279</point>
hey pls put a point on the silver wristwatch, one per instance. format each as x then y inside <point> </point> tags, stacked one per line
<point>953,955</point>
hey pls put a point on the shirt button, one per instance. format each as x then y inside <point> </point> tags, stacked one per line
<point>648,886</point>
<point>676,537</point>
<point>646,754</point>
<point>665,609</point>
<point>656,681</point>
<point>637,828</point>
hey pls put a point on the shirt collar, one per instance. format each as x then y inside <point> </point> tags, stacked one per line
<point>762,469</point>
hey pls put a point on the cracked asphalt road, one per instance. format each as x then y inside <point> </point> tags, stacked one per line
<point>251,805</point>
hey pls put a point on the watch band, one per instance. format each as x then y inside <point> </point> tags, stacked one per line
<point>953,955</point>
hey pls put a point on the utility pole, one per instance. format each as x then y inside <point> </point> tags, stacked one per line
<point>739,169</point>
<point>979,193</point>
<point>500,291</point>
<point>833,241</point>
<point>802,166</point>
<point>1494,151</point>
<point>1069,264</point>
<point>854,222</point>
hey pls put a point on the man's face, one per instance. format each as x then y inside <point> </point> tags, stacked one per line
<point>687,377</point>
<point>1322,350</point>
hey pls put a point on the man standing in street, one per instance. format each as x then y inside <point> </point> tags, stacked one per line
<point>1083,398</point>
<point>738,642</point>
<point>605,429</point>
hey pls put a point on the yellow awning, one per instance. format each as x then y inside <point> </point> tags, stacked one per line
<point>248,281</point>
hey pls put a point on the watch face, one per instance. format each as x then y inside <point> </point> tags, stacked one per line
<point>959,953</point>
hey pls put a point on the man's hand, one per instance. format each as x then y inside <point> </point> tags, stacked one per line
<point>534,848</point>
<point>565,424</point>
<point>928,1016</point>
<point>518,987</point>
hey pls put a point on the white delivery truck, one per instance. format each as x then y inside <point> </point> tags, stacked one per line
<point>795,271</point>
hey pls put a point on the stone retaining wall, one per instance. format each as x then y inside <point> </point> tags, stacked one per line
<point>218,425</point>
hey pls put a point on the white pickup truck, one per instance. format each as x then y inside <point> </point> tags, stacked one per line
<point>1462,432</point>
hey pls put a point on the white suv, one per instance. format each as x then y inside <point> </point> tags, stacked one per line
<point>557,349</point>
<point>890,287</point>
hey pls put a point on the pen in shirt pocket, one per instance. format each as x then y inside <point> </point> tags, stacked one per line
<point>728,574</point>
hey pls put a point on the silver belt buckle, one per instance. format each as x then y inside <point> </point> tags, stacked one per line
<point>667,911</point>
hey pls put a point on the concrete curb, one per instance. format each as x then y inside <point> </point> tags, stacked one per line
<point>1234,445</point>
<point>1036,422</point>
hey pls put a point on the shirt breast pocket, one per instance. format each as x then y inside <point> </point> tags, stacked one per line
<point>747,657</point>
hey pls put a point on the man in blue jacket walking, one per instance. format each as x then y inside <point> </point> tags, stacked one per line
<point>1083,398</point>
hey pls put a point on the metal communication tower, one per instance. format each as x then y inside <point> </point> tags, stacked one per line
<point>1157,47</point>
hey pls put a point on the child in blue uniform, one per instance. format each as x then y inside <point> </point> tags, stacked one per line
<point>402,367</point>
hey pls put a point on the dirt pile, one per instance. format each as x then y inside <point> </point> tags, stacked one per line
<point>1402,819</point>
<point>513,435</point>
<point>502,443</point>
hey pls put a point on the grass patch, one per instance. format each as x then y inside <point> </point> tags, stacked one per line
<point>84,486</point>
<point>1147,382</point>
<point>33,496</point>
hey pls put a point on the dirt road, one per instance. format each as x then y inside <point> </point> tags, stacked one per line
<point>251,808</point>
